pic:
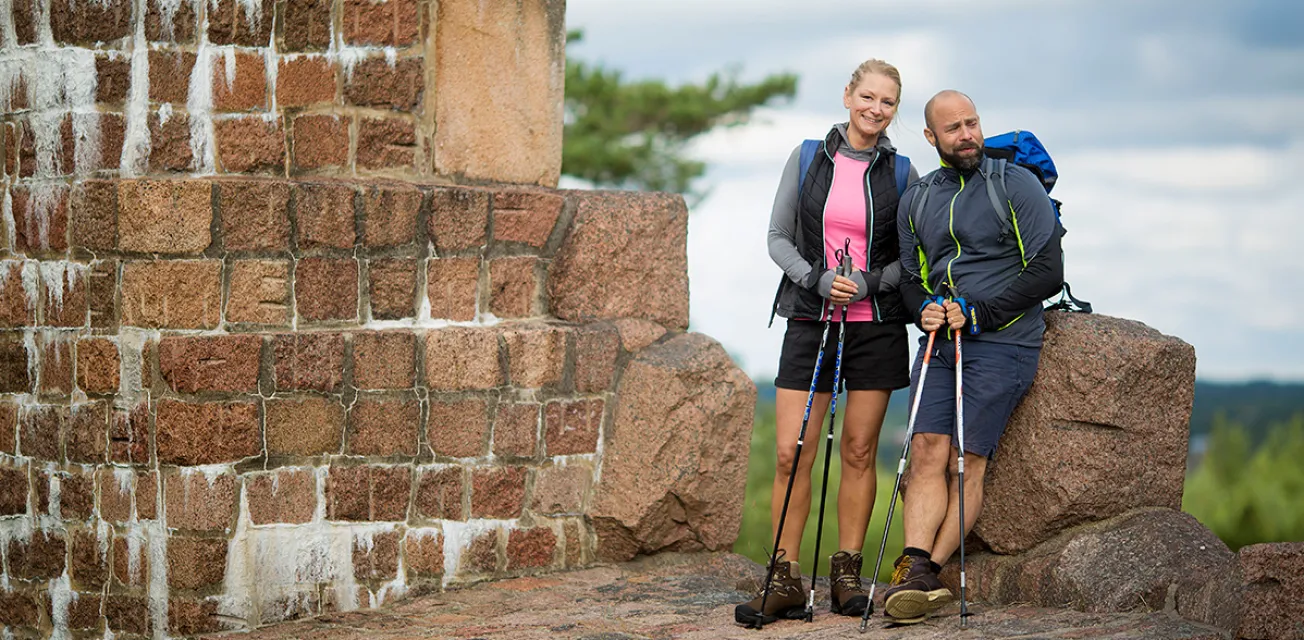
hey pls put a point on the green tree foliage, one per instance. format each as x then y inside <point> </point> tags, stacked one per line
<point>634,134</point>
<point>1250,496</point>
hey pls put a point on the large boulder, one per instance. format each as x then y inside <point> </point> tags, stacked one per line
<point>1148,559</point>
<point>626,256</point>
<point>1273,608</point>
<point>1103,430</point>
<point>674,461</point>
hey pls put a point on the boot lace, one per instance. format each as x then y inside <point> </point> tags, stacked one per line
<point>780,585</point>
<point>779,582</point>
<point>849,582</point>
<point>899,574</point>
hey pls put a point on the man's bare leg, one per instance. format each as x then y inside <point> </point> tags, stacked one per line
<point>948,537</point>
<point>925,504</point>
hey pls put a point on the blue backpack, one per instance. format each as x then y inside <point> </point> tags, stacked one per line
<point>1024,149</point>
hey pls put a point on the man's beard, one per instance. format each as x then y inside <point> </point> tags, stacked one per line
<point>963,163</point>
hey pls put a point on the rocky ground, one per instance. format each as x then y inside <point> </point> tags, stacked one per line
<point>686,596</point>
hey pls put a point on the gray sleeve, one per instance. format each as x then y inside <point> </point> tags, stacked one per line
<point>891,277</point>
<point>1034,216</point>
<point>782,238</point>
<point>914,176</point>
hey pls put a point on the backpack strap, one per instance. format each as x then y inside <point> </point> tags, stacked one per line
<point>808,150</point>
<point>1067,302</point>
<point>921,198</point>
<point>902,174</point>
<point>993,170</point>
<point>917,209</point>
<point>774,307</point>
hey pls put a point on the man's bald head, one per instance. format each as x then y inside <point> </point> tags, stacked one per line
<point>954,128</point>
<point>947,98</point>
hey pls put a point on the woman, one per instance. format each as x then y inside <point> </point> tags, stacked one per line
<point>849,193</point>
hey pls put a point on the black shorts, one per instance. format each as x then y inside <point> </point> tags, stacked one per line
<point>874,356</point>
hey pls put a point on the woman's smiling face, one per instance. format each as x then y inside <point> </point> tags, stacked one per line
<point>872,104</point>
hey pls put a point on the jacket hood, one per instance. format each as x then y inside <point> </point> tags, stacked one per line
<point>840,143</point>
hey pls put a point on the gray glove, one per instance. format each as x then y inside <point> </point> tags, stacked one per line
<point>825,284</point>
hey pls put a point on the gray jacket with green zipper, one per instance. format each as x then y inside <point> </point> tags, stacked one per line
<point>1004,263</point>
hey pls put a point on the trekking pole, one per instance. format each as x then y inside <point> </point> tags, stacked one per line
<point>844,268</point>
<point>896,487</point>
<point>959,432</point>
<point>787,494</point>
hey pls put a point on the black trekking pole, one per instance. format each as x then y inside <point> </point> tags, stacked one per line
<point>959,432</point>
<point>796,460</point>
<point>896,487</point>
<point>844,268</point>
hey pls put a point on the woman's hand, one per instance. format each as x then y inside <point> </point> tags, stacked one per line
<point>843,290</point>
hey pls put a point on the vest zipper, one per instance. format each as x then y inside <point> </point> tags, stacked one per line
<point>869,232</point>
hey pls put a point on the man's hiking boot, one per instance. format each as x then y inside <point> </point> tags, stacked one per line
<point>786,600</point>
<point>915,592</point>
<point>848,597</point>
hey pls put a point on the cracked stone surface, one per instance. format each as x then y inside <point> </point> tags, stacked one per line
<point>688,596</point>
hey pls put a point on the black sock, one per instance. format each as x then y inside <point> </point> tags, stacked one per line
<point>916,552</point>
<point>937,568</point>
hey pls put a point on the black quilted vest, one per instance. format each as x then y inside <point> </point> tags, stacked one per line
<point>798,301</point>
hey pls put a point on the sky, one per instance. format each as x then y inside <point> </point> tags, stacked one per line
<point>1177,127</point>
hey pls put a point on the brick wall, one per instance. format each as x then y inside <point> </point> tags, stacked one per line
<point>290,323</point>
<point>261,398</point>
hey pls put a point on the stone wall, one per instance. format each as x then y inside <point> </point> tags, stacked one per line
<point>290,322</point>
<point>330,394</point>
<point>409,88</point>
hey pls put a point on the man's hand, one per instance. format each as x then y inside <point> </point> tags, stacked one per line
<point>843,290</point>
<point>955,315</point>
<point>932,317</point>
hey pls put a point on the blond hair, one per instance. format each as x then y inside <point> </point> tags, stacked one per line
<point>874,65</point>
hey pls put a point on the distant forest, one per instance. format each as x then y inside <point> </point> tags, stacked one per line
<point>1254,405</point>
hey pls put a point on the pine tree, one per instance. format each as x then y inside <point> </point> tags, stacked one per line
<point>634,134</point>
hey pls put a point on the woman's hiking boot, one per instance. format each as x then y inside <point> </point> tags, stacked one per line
<point>915,592</point>
<point>848,598</point>
<point>786,600</point>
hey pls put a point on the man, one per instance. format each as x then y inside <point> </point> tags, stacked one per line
<point>1002,264</point>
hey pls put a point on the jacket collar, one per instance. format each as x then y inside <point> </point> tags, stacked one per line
<point>951,173</point>
<point>837,139</point>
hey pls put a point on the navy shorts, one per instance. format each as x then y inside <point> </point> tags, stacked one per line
<point>874,356</point>
<point>996,376</point>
